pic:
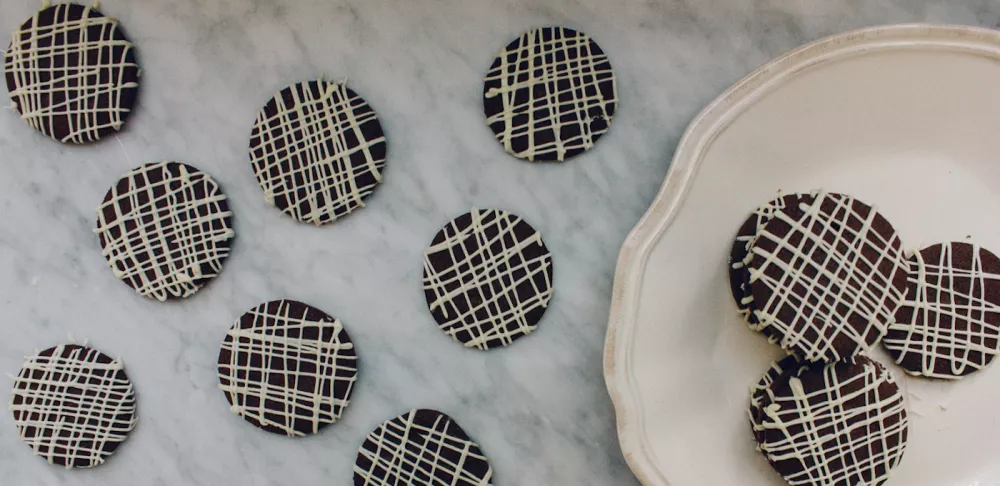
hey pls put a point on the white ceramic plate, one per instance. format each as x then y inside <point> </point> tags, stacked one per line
<point>906,118</point>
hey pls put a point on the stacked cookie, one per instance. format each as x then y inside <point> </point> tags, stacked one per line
<point>824,276</point>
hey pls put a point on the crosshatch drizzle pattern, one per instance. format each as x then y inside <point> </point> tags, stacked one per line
<point>318,151</point>
<point>165,229</point>
<point>788,365</point>
<point>288,368</point>
<point>550,94</point>
<point>742,254</point>
<point>71,73</point>
<point>487,278</point>
<point>421,448</point>
<point>949,323</point>
<point>73,405</point>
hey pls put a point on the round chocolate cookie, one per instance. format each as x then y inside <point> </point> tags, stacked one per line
<point>73,405</point>
<point>740,255</point>
<point>949,323</point>
<point>550,94</point>
<point>839,423</point>
<point>165,229</point>
<point>421,448</point>
<point>317,150</point>
<point>487,278</point>
<point>827,277</point>
<point>288,368</point>
<point>71,73</point>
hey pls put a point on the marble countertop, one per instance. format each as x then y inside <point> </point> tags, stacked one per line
<point>539,408</point>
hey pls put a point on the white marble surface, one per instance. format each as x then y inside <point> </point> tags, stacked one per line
<point>539,408</point>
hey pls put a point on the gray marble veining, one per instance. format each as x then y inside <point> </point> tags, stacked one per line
<point>539,408</point>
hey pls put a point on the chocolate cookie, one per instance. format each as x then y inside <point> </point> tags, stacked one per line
<point>318,151</point>
<point>740,255</point>
<point>841,423</point>
<point>288,368</point>
<point>550,94</point>
<point>71,73</point>
<point>165,229</point>
<point>827,277</point>
<point>421,448</point>
<point>949,323</point>
<point>487,278</point>
<point>73,405</point>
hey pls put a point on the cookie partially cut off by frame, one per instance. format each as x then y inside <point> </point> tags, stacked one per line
<point>949,323</point>
<point>71,73</point>
<point>421,448</point>
<point>840,423</point>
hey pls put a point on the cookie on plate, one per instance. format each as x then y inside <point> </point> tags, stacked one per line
<point>73,405</point>
<point>949,324</point>
<point>165,229</point>
<point>740,254</point>
<point>318,151</point>
<point>288,368</point>
<point>838,423</point>
<point>827,277</point>
<point>72,73</point>
<point>550,94</point>
<point>487,278</point>
<point>421,448</point>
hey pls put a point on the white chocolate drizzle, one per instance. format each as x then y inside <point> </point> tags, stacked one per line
<point>319,140</point>
<point>408,450</point>
<point>570,69</point>
<point>275,334</point>
<point>830,430</point>
<point>486,281</point>
<point>856,284</point>
<point>36,84</point>
<point>69,405</point>
<point>759,390</point>
<point>935,296</point>
<point>760,217</point>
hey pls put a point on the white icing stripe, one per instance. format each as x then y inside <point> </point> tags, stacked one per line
<point>582,75</point>
<point>488,278</point>
<point>855,284</point>
<point>316,137</point>
<point>403,452</point>
<point>167,250</point>
<point>760,216</point>
<point>925,335</point>
<point>77,83</point>
<point>759,390</point>
<point>74,408</point>
<point>333,362</point>
<point>826,429</point>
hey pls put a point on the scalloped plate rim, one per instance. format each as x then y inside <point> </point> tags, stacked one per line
<point>699,135</point>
